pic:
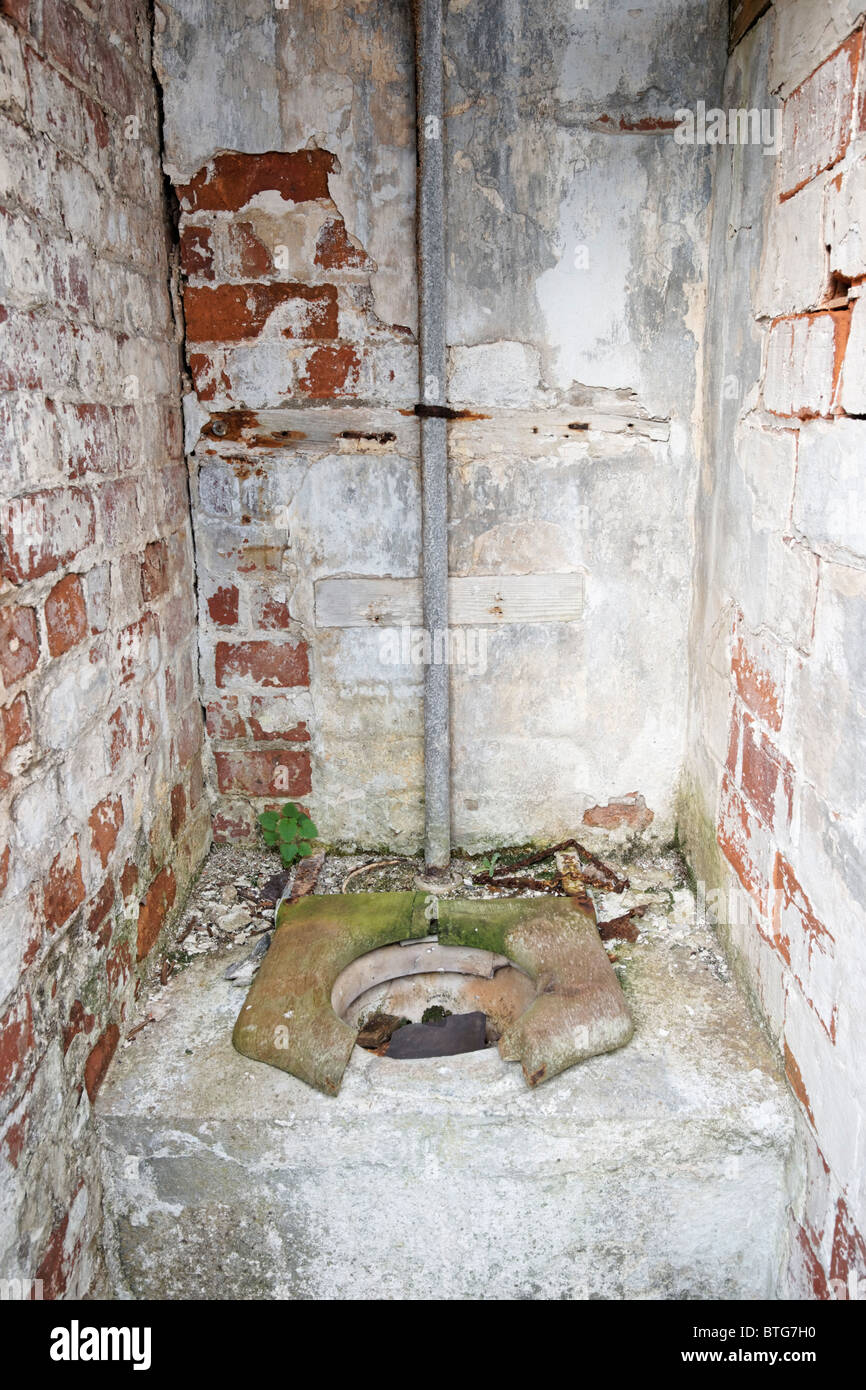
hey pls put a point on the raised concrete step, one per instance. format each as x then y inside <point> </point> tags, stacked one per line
<point>654,1172</point>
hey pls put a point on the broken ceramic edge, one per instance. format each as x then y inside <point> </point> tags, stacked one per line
<point>289,1021</point>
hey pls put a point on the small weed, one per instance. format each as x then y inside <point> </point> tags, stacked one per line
<point>289,831</point>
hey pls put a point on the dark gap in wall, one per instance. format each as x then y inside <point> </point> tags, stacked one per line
<point>171,215</point>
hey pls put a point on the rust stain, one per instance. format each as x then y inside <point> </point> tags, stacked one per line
<point>644,125</point>
<point>442,412</point>
<point>242,427</point>
<point>369,436</point>
<point>621,928</point>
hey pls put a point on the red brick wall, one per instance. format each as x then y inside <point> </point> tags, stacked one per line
<point>279,314</point>
<point>102,815</point>
<point>780,705</point>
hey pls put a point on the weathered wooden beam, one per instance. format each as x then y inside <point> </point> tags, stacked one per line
<point>474,600</point>
<point>743,14</point>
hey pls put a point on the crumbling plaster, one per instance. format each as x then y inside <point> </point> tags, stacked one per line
<point>576,280</point>
<point>772,803</point>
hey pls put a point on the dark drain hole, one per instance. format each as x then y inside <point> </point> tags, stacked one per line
<point>444,1036</point>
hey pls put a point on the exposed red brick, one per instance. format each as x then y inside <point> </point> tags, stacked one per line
<point>802,940</point>
<point>811,1271</point>
<point>16,1041</point>
<point>118,968</point>
<point>146,730</point>
<point>17,10</point>
<point>99,913</point>
<point>790,895</point>
<point>119,740</point>
<point>4,869</point>
<point>630,810</point>
<point>178,809</point>
<point>224,720</point>
<point>120,514</point>
<point>133,643</point>
<point>14,731</point>
<point>206,377</point>
<point>99,1060</point>
<point>249,255</point>
<point>196,784</point>
<point>230,180</point>
<point>848,1254</point>
<point>19,642</point>
<point>270,612</point>
<point>264,774</point>
<point>842,323</point>
<point>96,132</point>
<point>294,733</point>
<point>817,118</point>
<point>114,80</point>
<point>795,1080</point>
<point>80,1021</point>
<point>222,605</point>
<point>56,1264</point>
<point>105,821</point>
<point>64,886</point>
<point>732,762</point>
<point>228,828</point>
<point>155,571</point>
<point>65,615</point>
<point>189,735</point>
<point>767,778</point>
<point>237,313</point>
<point>87,438</point>
<point>15,1138</point>
<point>43,531</point>
<point>65,36</point>
<point>331,371</point>
<point>128,879</point>
<point>759,689</point>
<point>279,664</point>
<point>196,252</point>
<point>153,910</point>
<point>334,250</point>
<point>178,620</point>
<point>744,843</point>
<point>121,16</point>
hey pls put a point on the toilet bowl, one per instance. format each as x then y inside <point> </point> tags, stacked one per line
<point>329,949</point>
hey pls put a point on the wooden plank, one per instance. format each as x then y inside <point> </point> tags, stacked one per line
<point>368,602</point>
<point>474,600</point>
<point>743,14</point>
<point>516,598</point>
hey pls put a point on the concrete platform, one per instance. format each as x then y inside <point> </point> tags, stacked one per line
<point>658,1171</point>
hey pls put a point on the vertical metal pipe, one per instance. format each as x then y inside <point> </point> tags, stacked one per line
<point>434,443</point>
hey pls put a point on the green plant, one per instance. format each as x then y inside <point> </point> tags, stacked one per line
<point>289,831</point>
<point>489,862</point>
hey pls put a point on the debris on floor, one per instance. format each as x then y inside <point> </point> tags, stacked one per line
<point>377,1030</point>
<point>435,1014</point>
<point>641,895</point>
